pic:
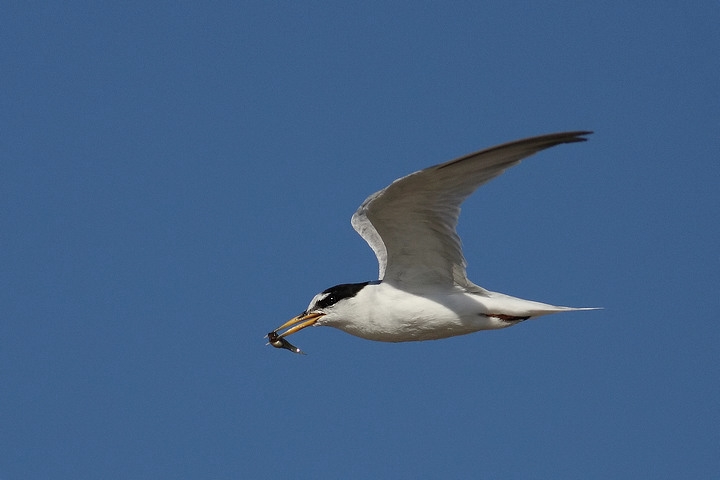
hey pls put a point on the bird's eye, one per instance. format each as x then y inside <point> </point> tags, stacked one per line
<point>327,301</point>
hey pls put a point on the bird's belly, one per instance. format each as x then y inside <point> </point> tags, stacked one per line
<point>407,318</point>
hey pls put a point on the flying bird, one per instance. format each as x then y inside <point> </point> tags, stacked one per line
<point>423,292</point>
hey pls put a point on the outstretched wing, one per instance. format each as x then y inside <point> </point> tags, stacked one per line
<point>411,224</point>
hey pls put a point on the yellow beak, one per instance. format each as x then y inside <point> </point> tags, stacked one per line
<point>296,324</point>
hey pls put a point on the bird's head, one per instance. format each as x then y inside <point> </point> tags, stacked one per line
<point>323,309</point>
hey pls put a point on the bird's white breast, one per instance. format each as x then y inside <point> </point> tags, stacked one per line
<point>384,313</point>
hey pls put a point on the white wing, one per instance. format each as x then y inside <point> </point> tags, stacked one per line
<point>411,224</point>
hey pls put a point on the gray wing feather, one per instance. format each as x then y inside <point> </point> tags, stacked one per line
<point>411,224</point>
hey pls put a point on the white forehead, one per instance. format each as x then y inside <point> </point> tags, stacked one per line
<point>316,299</point>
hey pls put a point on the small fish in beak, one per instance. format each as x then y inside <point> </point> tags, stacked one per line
<point>279,342</point>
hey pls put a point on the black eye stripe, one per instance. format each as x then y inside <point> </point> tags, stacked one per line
<point>327,301</point>
<point>339,292</point>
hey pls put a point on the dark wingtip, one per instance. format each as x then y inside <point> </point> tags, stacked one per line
<point>564,137</point>
<point>578,136</point>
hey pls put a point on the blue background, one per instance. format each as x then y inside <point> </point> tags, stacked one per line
<point>177,179</point>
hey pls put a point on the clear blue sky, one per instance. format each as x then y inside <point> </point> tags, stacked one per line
<point>177,179</point>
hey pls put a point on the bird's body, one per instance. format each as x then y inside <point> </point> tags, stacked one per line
<point>380,311</point>
<point>423,292</point>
